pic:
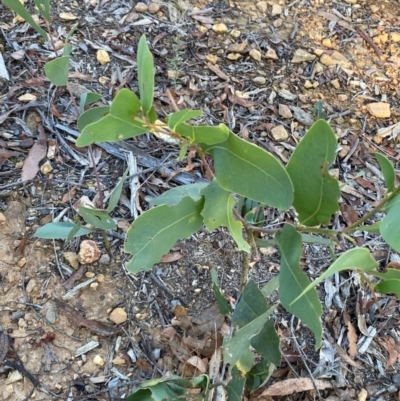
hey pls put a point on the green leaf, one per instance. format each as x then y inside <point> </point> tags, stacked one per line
<point>181,116</point>
<point>389,274</point>
<point>145,66</point>
<point>152,115</point>
<point>373,228</point>
<point>57,71</point>
<point>356,258</point>
<point>390,225</point>
<point>224,307</point>
<point>120,124</point>
<point>266,343</point>
<point>203,134</point>
<point>390,281</point>
<point>73,232</point>
<point>59,230</point>
<point>390,286</point>
<point>97,217</point>
<point>17,7</point>
<point>239,344</point>
<point>116,193</point>
<point>88,98</point>
<point>259,375</point>
<point>156,231</point>
<point>292,282</point>
<point>218,211</point>
<point>387,171</point>
<point>246,361</point>
<point>250,171</point>
<point>44,8</point>
<point>67,46</point>
<point>270,287</point>
<point>251,305</point>
<point>91,116</point>
<point>235,386</point>
<point>173,196</point>
<point>171,388</point>
<point>316,192</point>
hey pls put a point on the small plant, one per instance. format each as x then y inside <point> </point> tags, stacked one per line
<point>246,172</point>
<point>175,61</point>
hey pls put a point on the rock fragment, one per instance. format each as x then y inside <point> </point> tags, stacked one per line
<point>279,133</point>
<point>379,109</point>
<point>118,315</point>
<point>301,55</point>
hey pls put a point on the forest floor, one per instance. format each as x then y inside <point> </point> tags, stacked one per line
<point>260,67</point>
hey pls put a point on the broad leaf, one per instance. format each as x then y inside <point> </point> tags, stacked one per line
<point>390,225</point>
<point>59,230</point>
<point>266,343</point>
<point>307,238</point>
<point>57,70</point>
<point>97,217</point>
<point>251,305</point>
<point>181,116</point>
<point>203,134</point>
<point>250,171</point>
<point>171,388</point>
<point>293,281</point>
<point>218,211</point>
<point>373,228</point>
<point>44,8</point>
<point>118,125</point>
<point>224,307</point>
<point>145,66</point>
<point>239,344</point>
<point>235,386</point>
<point>391,286</point>
<point>26,15</point>
<point>356,258</point>
<point>67,46</point>
<point>270,287</point>
<point>316,192</point>
<point>259,375</point>
<point>87,98</point>
<point>389,274</point>
<point>116,193</point>
<point>91,116</point>
<point>387,171</point>
<point>156,231</point>
<point>175,195</point>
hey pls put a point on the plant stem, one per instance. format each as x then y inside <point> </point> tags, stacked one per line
<point>245,268</point>
<point>101,197</point>
<point>53,45</point>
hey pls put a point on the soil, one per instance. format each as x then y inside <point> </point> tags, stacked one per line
<point>261,73</point>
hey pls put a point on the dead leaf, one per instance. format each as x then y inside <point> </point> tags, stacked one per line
<point>291,386</point>
<point>197,363</point>
<point>218,72</point>
<point>392,347</point>
<point>179,349</point>
<point>180,311</point>
<point>172,257</point>
<point>351,336</point>
<point>238,100</point>
<point>350,215</point>
<point>69,195</point>
<point>202,19</point>
<point>332,17</point>
<point>77,275</point>
<point>36,154</point>
<point>99,328</point>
